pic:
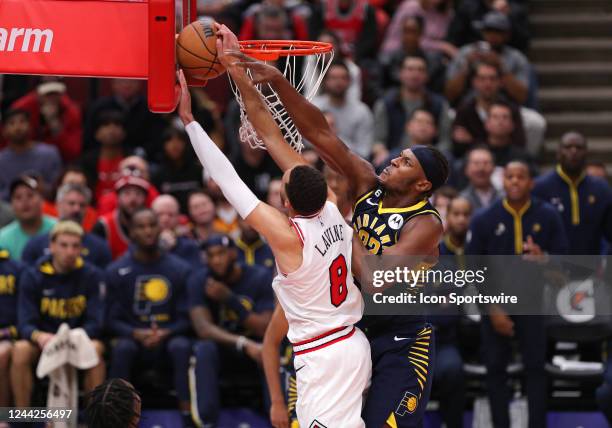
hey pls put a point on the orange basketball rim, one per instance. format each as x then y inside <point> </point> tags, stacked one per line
<point>271,50</point>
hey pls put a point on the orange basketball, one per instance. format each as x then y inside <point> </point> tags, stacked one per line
<point>196,50</point>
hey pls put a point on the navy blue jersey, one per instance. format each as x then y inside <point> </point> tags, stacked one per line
<point>259,253</point>
<point>253,291</point>
<point>142,293</point>
<point>95,250</point>
<point>379,227</point>
<point>500,230</point>
<point>10,273</point>
<point>584,206</point>
<point>48,299</point>
<point>188,250</point>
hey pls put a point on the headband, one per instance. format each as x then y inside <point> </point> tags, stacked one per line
<point>431,166</point>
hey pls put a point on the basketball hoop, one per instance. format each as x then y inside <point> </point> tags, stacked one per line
<point>312,74</point>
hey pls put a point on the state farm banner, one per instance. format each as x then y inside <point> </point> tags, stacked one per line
<point>74,38</point>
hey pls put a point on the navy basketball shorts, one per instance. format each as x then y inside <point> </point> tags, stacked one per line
<point>402,374</point>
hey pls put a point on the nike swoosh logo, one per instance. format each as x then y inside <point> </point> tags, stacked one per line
<point>124,271</point>
<point>397,339</point>
<point>371,203</point>
<point>297,370</point>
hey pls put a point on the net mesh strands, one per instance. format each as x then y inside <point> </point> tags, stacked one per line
<point>309,77</point>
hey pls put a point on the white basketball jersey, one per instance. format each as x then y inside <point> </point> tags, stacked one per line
<point>320,295</point>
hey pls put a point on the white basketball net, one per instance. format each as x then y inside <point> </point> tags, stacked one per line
<point>315,67</point>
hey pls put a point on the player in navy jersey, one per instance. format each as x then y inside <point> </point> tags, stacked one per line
<point>519,224</point>
<point>230,303</point>
<point>392,216</point>
<point>72,202</point>
<point>252,250</point>
<point>10,273</point>
<point>147,312</point>
<point>584,202</point>
<point>60,288</point>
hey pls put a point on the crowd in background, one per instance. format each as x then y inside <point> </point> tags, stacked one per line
<point>164,269</point>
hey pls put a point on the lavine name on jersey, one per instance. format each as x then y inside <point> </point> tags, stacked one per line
<point>330,236</point>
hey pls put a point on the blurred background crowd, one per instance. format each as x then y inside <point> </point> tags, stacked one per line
<point>458,75</point>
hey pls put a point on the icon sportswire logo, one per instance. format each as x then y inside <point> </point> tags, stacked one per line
<point>25,39</point>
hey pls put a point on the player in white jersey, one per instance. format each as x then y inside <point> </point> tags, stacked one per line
<point>312,248</point>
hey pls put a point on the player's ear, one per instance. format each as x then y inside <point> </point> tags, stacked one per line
<point>424,186</point>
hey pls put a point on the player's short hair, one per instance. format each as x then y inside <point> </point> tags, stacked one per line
<point>111,405</point>
<point>66,227</point>
<point>306,190</point>
<point>530,169</point>
<point>16,112</point>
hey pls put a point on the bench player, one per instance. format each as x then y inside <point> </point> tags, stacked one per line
<point>392,217</point>
<point>312,248</point>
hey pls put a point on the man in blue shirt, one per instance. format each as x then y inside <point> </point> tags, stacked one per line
<point>10,273</point>
<point>61,288</point>
<point>230,306</point>
<point>72,201</point>
<point>584,202</point>
<point>148,308</point>
<point>520,225</point>
<point>449,378</point>
<point>252,250</point>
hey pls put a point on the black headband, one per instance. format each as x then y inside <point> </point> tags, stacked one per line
<point>431,166</point>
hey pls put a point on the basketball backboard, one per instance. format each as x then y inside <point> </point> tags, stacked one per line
<point>96,38</point>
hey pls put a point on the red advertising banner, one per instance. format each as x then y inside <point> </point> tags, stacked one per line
<point>75,38</point>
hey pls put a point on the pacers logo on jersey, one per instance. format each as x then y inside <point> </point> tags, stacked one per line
<point>408,404</point>
<point>150,291</point>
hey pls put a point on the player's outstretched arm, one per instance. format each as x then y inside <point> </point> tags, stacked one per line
<point>313,126</point>
<point>267,220</point>
<point>256,109</point>
<point>270,352</point>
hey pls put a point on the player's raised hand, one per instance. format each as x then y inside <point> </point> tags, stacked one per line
<point>226,42</point>
<point>184,107</point>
